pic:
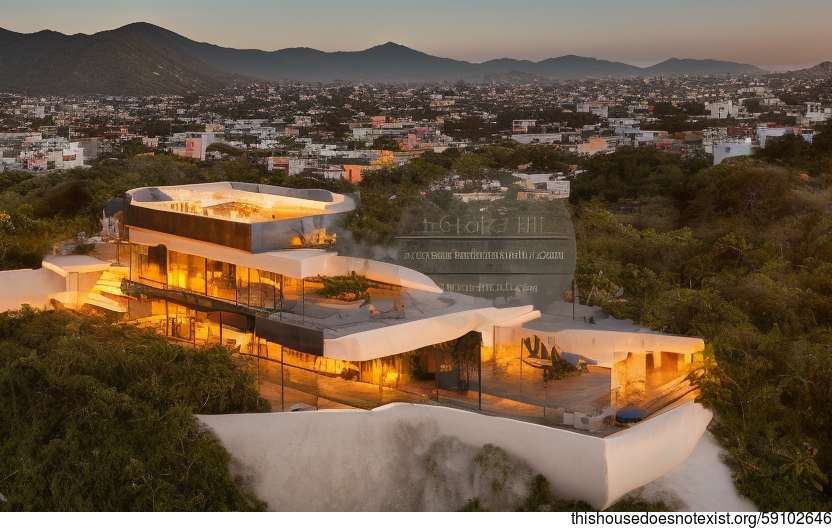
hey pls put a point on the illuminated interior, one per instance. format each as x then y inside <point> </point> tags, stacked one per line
<point>512,371</point>
<point>506,378</point>
<point>159,267</point>
<point>230,205</point>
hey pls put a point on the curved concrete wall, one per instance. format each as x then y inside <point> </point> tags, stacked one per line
<point>319,457</point>
<point>412,335</point>
<point>295,263</point>
<point>381,272</point>
<point>643,453</point>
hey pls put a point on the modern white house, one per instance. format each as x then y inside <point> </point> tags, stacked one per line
<point>256,268</point>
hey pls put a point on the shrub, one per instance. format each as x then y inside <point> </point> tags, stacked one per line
<point>99,417</point>
<point>344,287</point>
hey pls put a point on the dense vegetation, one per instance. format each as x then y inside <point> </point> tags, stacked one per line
<point>389,196</point>
<point>741,255</point>
<point>99,416</point>
<point>541,498</point>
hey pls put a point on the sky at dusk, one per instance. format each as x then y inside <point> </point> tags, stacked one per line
<point>773,34</point>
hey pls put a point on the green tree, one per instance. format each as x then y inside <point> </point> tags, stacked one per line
<point>386,143</point>
<point>99,417</point>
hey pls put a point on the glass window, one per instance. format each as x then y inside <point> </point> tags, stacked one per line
<point>263,289</point>
<point>196,274</point>
<point>221,278</point>
<point>149,264</point>
<point>242,285</point>
<point>186,272</point>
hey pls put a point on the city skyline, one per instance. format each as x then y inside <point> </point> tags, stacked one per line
<point>640,33</point>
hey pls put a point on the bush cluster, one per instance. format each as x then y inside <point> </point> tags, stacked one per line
<point>100,417</point>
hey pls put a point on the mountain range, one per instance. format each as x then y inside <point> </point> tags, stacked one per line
<point>141,59</point>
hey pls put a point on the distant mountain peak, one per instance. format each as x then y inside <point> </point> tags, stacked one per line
<point>140,25</point>
<point>137,59</point>
<point>392,47</point>
<point>676,66</point>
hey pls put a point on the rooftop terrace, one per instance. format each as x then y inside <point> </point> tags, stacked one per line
<point>250,217</point>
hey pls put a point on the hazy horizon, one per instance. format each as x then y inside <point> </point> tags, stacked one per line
<point>641,32</point>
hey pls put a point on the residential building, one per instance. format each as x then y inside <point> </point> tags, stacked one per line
<point>248,266</point>
<point>730,149</point>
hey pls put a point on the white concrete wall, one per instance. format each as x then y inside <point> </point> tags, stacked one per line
<point>604,344</point>
<point>703,482</point>
<point>318,460</point>
<point>730,149</point>
<point>411,335</point>
<point>645,452</point>
<point>381,272</point>
<point>32,287</point>
<point>765,133</point>
<point>608,346</point>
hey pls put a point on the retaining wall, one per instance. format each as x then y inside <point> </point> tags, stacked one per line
<point>318,460</point>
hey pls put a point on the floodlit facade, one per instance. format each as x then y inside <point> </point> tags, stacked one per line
<point>248,266</point>
<point>244,265</point>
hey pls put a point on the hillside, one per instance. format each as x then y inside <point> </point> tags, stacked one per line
<point>824,69</point>
<point>693,67</point>
<point>141,58</point>
<point>129,60</point>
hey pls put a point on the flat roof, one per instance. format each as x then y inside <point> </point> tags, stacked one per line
<point>65,264</point>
